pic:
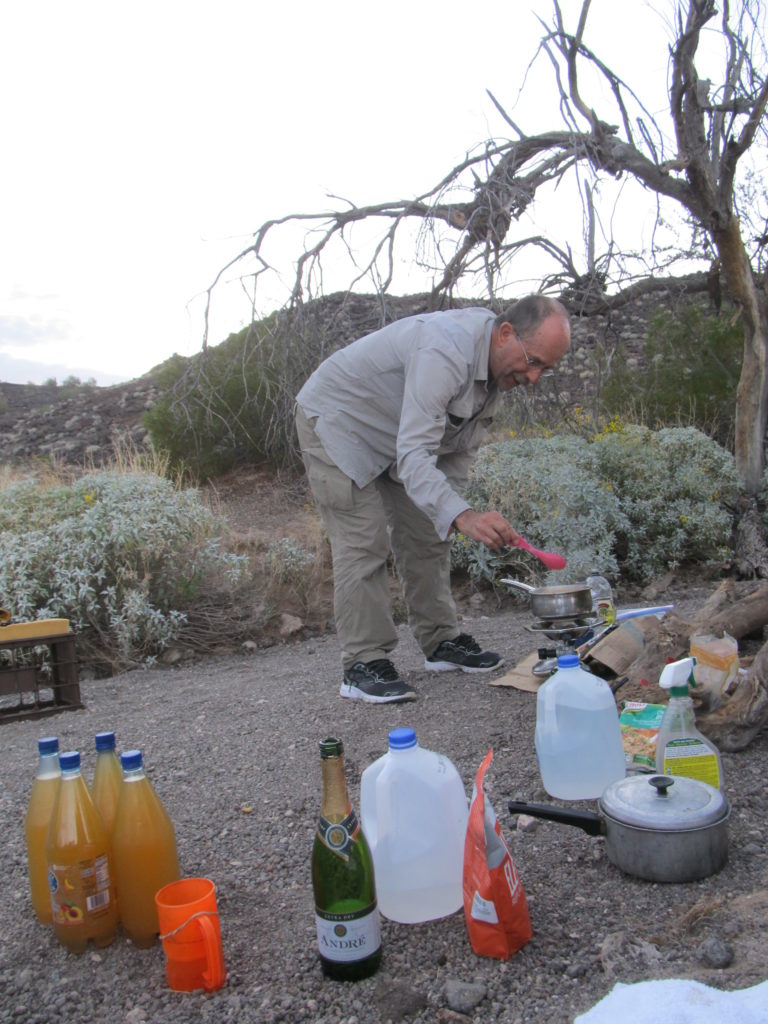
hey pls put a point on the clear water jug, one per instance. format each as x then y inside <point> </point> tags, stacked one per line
<point>578,737</point>
<point>414,812</point>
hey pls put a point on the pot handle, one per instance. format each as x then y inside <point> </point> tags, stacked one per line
<point>520,586</point>
<point>588,821</point>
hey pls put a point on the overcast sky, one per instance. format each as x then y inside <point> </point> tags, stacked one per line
<point>143,142</point>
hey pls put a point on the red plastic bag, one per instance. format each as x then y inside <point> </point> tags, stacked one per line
<point>495,907</point>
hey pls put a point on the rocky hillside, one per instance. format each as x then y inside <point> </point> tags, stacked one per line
<point>72,425</point>
<point>82,424</point>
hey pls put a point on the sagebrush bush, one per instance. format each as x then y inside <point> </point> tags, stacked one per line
<point>289,564</point>
<point>549,489</point>
<point>677,488</point>
<point>631,502</point>
<point>122,555</point>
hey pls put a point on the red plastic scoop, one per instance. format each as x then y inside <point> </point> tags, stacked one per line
<point>549,558</point>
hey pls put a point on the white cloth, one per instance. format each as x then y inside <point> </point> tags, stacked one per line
<point>679,1001</point>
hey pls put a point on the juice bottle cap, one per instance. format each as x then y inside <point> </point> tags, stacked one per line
<point>105,741</point>
<point>48,745</point>
<point>131,760</point>
<point>402,739</point>
<point>69,760</point>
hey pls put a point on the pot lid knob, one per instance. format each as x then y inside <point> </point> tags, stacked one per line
<point>661,783</point>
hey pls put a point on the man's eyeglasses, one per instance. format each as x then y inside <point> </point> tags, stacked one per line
<point>535,363</point>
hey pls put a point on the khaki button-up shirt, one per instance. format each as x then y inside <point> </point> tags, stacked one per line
<point>412,399</point>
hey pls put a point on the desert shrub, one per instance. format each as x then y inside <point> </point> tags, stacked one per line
<point>630,501</point>
<point>288,563</point>
<point>122,555</point>
<point>677,488</point>
<point>210,414</point>
<point>233,404</point>
<point>693,366</point>
<point>551,490</point>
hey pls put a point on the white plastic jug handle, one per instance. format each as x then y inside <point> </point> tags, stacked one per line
<point>547,709</point>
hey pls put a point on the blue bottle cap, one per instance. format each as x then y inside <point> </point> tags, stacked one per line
<point>70,760</point>
<point>105,741</point>
<point>401,739</point>
<point>567,661</point>
<point>131,760</point>
<point>48,745</point>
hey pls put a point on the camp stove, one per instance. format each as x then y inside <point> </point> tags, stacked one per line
<point>565,634</point>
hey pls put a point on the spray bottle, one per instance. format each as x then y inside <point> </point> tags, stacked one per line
<point>680,748</point>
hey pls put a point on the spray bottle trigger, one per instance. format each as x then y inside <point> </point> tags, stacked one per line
<point>676,674</point>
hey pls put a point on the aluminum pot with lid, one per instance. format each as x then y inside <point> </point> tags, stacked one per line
<point>659,827</point>
<point>561,602</point>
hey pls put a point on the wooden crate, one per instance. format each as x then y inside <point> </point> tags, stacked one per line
<point>38,675</point>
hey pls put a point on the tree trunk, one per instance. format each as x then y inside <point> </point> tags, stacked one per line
<point>752,392</point>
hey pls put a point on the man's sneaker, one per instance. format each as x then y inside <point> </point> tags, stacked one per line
<point>464,652</point>
<point>375,681</point>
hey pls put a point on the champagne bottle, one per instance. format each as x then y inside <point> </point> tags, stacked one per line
<point>347,918</point>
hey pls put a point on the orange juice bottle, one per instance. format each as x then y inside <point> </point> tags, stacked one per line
<point>41,801</point>
<point>144,844</point>
<point>80,872</point>
<point>107,778</point>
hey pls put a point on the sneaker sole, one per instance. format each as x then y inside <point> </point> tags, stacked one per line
<point>448,666</point>
<point>355,693</point>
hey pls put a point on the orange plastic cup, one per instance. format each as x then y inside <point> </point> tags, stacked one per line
<point>191,935</point>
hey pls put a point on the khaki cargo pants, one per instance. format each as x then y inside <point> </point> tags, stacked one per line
<point>362,525</point>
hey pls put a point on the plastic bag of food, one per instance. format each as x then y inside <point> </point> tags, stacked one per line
<point>640,725</point>
<point>717,665</point>
<point>495,907</point>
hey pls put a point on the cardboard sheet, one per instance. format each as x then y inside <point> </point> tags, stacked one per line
<point>621,646</point>
<point>521,676</point>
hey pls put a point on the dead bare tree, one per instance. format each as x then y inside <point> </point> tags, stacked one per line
<point>688,160</point>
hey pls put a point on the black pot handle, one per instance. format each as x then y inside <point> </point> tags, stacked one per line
<point>588,821</point>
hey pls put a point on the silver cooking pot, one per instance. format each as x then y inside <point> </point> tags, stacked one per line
<point>658,827</point>
<point>550,603</point>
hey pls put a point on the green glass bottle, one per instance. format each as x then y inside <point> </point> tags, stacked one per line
<point>347,918</point>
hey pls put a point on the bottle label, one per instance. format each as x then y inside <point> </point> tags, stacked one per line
<point>339,836</point>
<point>348,937</point>
<point>605,610</point>
<point>79,890</point>
<point>693,759</point>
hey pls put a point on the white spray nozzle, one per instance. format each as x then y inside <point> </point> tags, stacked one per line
<point>676,673</point>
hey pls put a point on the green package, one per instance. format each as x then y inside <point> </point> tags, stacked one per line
<point>640,725</point>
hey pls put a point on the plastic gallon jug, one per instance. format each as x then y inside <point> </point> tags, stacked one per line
<point>414,815</point>
<point>578,737</point>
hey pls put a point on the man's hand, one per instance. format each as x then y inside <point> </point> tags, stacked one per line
<point>490,528</point>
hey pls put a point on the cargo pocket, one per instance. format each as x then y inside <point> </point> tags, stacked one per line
<point>329,485</point>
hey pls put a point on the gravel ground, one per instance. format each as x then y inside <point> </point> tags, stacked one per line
<point>231,745</point>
